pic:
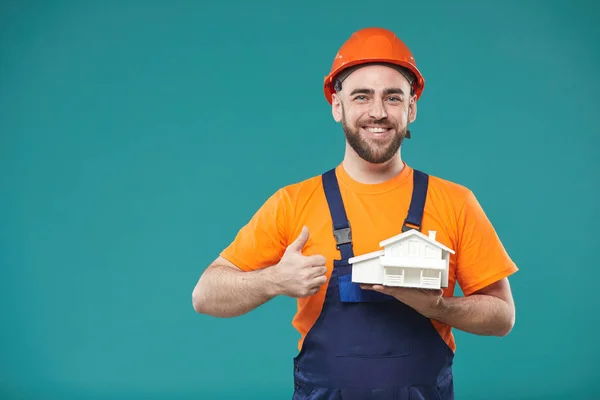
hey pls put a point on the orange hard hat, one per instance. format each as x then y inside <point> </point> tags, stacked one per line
<point>373,45</point>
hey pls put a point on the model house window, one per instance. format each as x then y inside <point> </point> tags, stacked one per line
<point>398,250</point>
<point>430,273</point>
<point>413,248</point>
<point>430,252</point>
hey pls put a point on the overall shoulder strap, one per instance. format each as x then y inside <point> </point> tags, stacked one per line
<point>417,202</point>
<point>341,226</point>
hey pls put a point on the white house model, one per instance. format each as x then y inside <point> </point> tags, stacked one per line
<point>410,259</point>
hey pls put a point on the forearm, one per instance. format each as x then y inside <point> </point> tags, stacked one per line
<point>224,292</point>
<point>479,314</point>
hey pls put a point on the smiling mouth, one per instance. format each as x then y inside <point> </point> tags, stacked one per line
<point>376,129</point>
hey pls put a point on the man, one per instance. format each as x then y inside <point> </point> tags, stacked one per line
<point>367,341</point>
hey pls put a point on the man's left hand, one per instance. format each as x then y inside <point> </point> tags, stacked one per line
<point>427,302</point>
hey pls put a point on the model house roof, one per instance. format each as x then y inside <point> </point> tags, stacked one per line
<point>365,257</point>
<point>414,232</point>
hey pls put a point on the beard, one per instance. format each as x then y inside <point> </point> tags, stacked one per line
<point>373,151</point>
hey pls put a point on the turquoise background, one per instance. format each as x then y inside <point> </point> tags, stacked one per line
<point>138,137</point>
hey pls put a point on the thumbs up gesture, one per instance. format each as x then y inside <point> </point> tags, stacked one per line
<point>297,275</point>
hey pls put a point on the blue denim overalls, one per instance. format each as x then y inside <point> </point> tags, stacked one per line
<point>366,345</point>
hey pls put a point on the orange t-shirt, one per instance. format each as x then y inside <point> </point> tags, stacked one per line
<point>376,212</point>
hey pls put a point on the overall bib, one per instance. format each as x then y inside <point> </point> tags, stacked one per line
<point>366,345</point>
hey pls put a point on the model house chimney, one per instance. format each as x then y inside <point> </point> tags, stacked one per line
<point>432,235</point>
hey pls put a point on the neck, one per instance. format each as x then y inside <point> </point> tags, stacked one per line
<point>365,172</point>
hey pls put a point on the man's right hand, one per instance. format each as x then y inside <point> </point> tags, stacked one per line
<point>297,275</point>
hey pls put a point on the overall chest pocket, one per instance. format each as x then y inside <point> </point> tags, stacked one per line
<point>351,292</point>
<point>372,325</point>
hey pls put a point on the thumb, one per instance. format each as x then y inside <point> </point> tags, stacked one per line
<point>298,244</point>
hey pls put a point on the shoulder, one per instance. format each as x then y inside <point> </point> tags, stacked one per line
<point>301,190</point>
<point>286,201</point>
<point>453,202</point>
<point>460,208</point>
<point>449,191</point>
<point>291,199</point>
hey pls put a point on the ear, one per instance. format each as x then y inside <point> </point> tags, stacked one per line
<point>336,107</point>
<point>412,110</point>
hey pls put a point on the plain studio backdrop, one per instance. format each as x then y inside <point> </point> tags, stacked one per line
<point>137,137</point>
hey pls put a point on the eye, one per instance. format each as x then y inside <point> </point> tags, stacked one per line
<point>395,99</point>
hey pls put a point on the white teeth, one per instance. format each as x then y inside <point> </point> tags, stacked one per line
<point>377,130</point>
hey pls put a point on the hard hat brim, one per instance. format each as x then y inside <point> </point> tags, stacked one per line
<point>328,80</point>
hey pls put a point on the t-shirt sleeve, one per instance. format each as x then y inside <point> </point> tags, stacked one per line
<point>263,240</point>
<point>481,256</point>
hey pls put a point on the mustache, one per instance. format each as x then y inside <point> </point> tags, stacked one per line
<point>383,122</point>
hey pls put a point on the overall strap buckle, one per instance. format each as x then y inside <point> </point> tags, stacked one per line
<point>342,236</point>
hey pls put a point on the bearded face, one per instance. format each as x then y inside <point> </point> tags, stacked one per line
<point>374,108</point>
<point>374,140</point>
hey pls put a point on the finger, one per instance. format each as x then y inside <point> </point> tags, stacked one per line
<point>313,291</point>
<point>318,281</point>
<point>316,260</point>
<point>366,286</point>
<point>317,272</point>
<point>298,244</point>
<point>391,290</point>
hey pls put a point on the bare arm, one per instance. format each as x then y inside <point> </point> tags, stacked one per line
<point>489,311</point>
<point>224,290</point>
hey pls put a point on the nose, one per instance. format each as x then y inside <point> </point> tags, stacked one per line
<point>377,110</point>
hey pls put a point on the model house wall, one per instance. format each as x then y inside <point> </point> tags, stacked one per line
<point>368,268</point>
